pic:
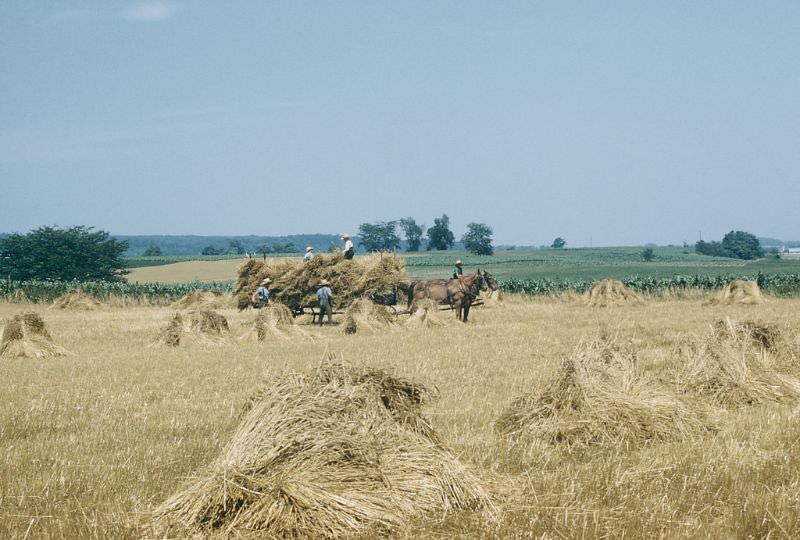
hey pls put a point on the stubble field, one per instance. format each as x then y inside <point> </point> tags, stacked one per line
<point>93,441</point>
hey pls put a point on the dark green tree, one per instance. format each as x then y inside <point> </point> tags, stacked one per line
<point>648,254</point>
<point>263,249</point>
<point>478,239</point>
<point>379,236</point>
<point>152,251</point>
<point>742,245</point>
<point>440,237</point>
<point>77,253</point>
<point>558,243</point>
<point>236,247</point>
<point>412,232</point>
<point>211,250</point>
<point>712,249</point>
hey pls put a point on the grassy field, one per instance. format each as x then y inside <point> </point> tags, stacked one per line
<point>91,442</point>
<point>588,264</point>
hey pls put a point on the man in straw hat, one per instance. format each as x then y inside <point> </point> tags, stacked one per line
<point>324,297</point>
<point>260,298</point>
<point>458,271</point>
<point>349,250</point>
<point>309,254</point>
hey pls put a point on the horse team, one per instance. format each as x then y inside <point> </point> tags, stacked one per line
<point>459,293</point>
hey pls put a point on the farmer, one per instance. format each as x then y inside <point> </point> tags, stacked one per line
<point>349,250</point>
<point>324,297</point>
<point>260,298</point>
<point>458,272</point>
<point>309,254</point>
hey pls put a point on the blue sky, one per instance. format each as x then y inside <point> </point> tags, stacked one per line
<point>618,123</point>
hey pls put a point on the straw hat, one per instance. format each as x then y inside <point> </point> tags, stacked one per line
<point>345,236</point>
<point>266,281</point>
<point>309,248</point>
<point>458,263</point>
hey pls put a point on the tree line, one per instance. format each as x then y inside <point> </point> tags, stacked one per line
<point>385,236</point>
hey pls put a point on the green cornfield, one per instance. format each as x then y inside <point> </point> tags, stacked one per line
<point>47,291</point>
<point>775,284</point>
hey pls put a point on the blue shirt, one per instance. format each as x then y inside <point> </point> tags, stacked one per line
<point>324,294</point>
<point>308,256</point>
<point>263,293</point>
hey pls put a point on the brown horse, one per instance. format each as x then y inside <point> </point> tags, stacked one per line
<point>457,293</point>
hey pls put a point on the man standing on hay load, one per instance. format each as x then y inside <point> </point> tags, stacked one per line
<point>309,254</point>
<point>260,298</point>
<point>324,297</point>
<point>349,250</point>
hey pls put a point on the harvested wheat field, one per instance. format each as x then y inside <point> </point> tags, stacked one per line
<point>610,292</point>
<point>337,451</point>
<point>684,425</point>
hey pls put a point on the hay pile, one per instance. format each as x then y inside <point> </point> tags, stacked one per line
<point>204,300</point>
<point>739,292</point>
<point>738,364</point>
<point>26,336</point>
<point>610,292</point>
<point>599,396</point>
<point>76,300</point>
<point>202,326</point>
<point>365,315</point>
<point>273,321</point>
<point>427,314</point>
<point>339,451</point>
<point>295,283</point>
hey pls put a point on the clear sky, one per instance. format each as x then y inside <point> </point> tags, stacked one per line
<point>611,122</point>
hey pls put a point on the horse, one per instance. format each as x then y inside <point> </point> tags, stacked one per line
<point>457,293</point>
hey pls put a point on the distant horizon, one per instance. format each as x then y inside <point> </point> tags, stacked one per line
<point>496,244</point>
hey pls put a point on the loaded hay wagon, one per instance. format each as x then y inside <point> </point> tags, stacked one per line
<point>380,278</point>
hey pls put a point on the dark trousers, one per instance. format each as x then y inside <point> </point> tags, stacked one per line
<point>323,309</point>
<point>349,254</point>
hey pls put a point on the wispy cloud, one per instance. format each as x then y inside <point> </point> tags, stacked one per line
<point>144,12</point>
<point>149,12</point>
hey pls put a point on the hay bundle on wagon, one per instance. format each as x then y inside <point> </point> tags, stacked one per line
<point>738,291</point>
<point>599,396</point>
<point>76,300</point>
<point>610,292</point>
<point>295,282</point>
<point>26,336</point>
<point>342,450</point>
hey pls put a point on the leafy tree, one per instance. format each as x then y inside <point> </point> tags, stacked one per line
<point>713,249</point>
<point>558,243</point>
<point>379,236</point>
<point>648,254</point>
<point>412,232</point>
<point>211,250</point>
<point>478,239</point>
<point>236,247</point>
<point>263,249</point>
<point>440,237</point>
<point>62,254</point>
<point>742,245</point>
<point>152,251</point>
